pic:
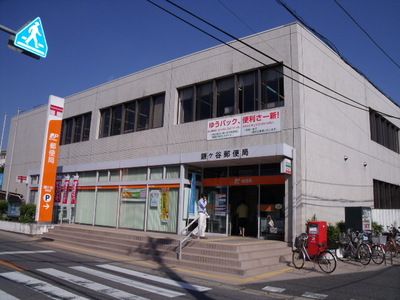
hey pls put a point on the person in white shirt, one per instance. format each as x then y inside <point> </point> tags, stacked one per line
<point>203,215</point>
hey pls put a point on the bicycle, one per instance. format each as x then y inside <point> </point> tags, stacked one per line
<point>392,246</point>
<point>361,253</point>
<point>378,253</point>
<point>325,259</point>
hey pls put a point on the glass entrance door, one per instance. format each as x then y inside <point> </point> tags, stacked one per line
<point>248,196</point>
<point>217,208</point>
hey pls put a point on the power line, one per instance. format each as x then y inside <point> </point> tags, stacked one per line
<point>363,107</point>
<point>369,36</point>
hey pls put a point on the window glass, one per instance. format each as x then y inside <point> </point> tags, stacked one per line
<point>132,214</point>
<point>134,174</point>
<point>226,97</point>
<point>272,88</point>
<point>105,122</point>
<point>114,175</point>
<point>106,207</point>
<point>242,171</point>
<point>156,173</point>
<point>247,88</point>
<point>270,169</point>
<point>163,209</point>
<point>186,98</point>
<point>158,111</point>
<point>67,128</point>
<point>143,114</point>
<point>78,129</point>
<point>84,211</point>
<point>89,176</point>
<point>86,127</point>
<point>172,172</point>
<point>103,176</point>
<point>130,116</point>
<point>116,121</point>
<point>217,172</point>
<point>204,101</point>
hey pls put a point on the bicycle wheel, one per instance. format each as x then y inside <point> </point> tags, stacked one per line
<point>390,249</point>
<point>364,254</point>
<point>297,259</point>
<point>327,261</point>
<point>378,254</point>
<point>345,252</point>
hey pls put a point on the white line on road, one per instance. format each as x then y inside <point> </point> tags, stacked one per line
<point>314,295</point>
<point>43,287</point>
<point>5,296</point>
<point>94,286</point>
<point>273,289</point>
<point>171,282</point>
<point>129,282</point>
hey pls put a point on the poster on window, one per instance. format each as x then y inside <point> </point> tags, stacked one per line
<point>155,197</point>
<point>220,205</point>
<point>165,205</point>
<point>134,195</point>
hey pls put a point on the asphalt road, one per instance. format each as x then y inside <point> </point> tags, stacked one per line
<point>31,269</point>
<point>350,281</point>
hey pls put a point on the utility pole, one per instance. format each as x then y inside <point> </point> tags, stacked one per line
<point>12,156</point>
<point>2,132</point>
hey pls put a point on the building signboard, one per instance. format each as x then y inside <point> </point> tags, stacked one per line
<point>286,166</point>
<point>258,122</point>
<point>48,170</point>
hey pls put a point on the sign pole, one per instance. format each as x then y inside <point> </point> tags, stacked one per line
<point>48,171</point>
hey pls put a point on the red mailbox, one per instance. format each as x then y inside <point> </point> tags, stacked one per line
<point>317,234</point>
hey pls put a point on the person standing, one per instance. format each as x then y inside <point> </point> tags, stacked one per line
<point>243,214</point>
<point>203,215</point>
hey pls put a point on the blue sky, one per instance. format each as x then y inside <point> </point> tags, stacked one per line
<point>94,41</point>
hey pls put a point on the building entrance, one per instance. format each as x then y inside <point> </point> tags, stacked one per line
<point>248,195</point>
<point>261,188</point>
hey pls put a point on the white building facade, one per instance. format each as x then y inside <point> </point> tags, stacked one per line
<point>291,130</point>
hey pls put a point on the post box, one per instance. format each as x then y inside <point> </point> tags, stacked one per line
<point>317,234</point>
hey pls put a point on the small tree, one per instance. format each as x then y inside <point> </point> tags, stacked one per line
<point>333,236</point>
<point>377,229</point>
<point>3,209</point>
<point>27,213</point>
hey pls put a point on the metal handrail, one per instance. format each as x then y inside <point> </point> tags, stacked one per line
<point>186,238</point>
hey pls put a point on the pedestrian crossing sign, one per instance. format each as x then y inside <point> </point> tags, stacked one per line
<point>32,39</point>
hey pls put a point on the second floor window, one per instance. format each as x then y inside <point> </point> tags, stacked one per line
<point>137,115</point>
<point>76,129</point>
<point>240,93</point>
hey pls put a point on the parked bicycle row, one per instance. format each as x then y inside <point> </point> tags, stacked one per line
<point>353,245</point>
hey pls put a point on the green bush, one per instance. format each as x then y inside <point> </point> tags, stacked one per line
<point>3,209</point>
<point>341,225</point>
<point>333,236</point>
<point>27,213</point>
<point>377,229</point>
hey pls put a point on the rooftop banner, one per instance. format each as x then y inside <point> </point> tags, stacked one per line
<point>48,169</point>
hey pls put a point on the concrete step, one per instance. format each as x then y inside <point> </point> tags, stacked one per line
<point>227,255</point>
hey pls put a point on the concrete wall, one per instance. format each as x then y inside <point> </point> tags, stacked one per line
<point>25,228</point>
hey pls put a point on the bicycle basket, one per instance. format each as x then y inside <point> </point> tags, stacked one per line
<point>301,240</point>
<point>344,238</point>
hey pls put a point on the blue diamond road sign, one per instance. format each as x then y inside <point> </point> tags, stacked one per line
<point>31,38</point>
